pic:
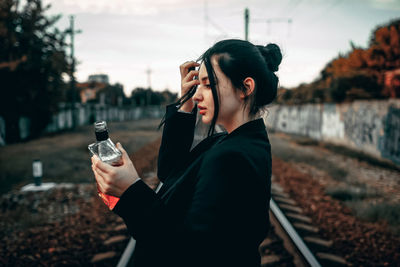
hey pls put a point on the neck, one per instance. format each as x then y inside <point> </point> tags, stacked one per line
<point>236,121</point>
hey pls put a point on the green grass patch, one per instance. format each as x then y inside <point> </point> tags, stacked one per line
<point>361,156</point>
<point>352,193</point>
<point>346,151</point>
<point>359,197</point>
<point>374,212</point>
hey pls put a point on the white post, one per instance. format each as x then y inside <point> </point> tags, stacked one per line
<point>37,172</point>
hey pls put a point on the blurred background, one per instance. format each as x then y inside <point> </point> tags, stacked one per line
<point>58,54</point>
<point>67,63</point>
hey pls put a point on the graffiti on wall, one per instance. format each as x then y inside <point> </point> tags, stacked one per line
<point>305,120</point>
<point>311,121</point>
<point>362,126</point>
<point>280,118</point>
<point>369,126</point>
<point>391,143</point>
<point>332,125</point>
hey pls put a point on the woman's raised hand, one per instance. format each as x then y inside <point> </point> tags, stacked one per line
<point>188,82</point>
<point>114,180</point>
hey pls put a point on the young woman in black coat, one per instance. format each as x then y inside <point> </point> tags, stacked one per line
<point>212,209</point>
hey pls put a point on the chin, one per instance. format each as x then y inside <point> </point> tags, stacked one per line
<point>206,120</point>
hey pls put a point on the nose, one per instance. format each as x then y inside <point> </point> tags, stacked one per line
<point>197,95</point>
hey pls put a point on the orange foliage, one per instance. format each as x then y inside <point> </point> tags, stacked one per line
<point>358,74</point>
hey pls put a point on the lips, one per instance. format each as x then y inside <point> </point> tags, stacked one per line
<point>202,110</point>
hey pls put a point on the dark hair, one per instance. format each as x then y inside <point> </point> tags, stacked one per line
<point>239,59</point>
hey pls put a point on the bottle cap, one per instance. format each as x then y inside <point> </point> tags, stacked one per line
<point>100,128</point>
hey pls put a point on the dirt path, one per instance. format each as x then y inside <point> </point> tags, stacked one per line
<point>65,156</point>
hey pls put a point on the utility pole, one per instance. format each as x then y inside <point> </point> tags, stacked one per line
<point>205,21</point>
<point>148,71</point>
<point>72,71</point>
<point>246,24</point>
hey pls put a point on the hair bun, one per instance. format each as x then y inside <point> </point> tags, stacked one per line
<point>272,55</point>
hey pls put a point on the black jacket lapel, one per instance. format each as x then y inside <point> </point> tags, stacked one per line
<point>196,153</point>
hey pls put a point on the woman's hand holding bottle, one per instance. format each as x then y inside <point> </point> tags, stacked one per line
<point>114,180</point>
<point>187,82</point>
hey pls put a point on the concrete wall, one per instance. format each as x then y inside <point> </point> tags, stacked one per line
<point>84,115</point>
<point>372,127</point>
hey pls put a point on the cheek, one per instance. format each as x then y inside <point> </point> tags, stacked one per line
<point>210,100</point>
<point>229,104</point>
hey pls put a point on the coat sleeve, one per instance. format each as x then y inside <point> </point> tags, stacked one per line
<point>224,217</point>
<point>176,141</point>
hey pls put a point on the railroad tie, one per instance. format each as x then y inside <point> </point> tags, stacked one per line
<point>306,227</point>
<point>270,260</point>
<point>291,208</point>
<point>328,259</point>
<point>298,217</point>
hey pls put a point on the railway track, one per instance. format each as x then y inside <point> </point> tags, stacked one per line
<point>292,241</point>
<point>297,236</point>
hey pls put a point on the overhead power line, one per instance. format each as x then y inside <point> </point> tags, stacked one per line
<point>209,21</point>
<point>269,21</point>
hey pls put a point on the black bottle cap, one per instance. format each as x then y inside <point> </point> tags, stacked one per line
<point>101,136</point>
<point>100,128</point>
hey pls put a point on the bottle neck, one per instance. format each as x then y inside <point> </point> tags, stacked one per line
<point>101,136</point>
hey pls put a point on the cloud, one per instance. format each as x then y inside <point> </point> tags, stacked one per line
<point>122,7</point>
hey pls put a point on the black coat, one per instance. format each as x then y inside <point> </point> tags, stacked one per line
<point>213,207</point>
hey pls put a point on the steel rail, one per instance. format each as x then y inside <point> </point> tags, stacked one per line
<point>294,236</point>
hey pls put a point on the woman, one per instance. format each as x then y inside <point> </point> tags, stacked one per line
<point>212,209</point>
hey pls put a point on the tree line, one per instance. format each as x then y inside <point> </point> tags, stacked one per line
<point>33,61</point>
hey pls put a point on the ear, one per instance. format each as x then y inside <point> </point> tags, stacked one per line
<point>250,84</point>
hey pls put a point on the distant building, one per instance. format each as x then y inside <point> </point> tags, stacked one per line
<point>97,89</point>
<point>89,90</point>
<point>99,78</point>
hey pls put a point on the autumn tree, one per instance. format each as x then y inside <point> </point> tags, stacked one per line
<point>357,74</point>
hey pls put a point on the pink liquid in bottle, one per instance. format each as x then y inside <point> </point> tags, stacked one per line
<point>108,153</point>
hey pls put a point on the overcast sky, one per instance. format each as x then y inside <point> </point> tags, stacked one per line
<point>124,38</point>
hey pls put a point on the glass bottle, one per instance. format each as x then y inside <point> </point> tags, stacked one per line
<point>105,149</point>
